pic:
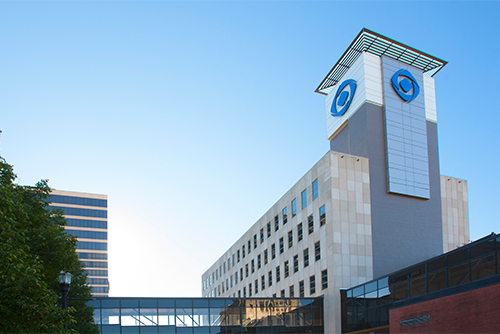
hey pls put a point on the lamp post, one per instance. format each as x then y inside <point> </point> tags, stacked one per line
<point>65,282</point>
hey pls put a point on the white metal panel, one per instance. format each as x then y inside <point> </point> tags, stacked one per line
<point>430,99</point>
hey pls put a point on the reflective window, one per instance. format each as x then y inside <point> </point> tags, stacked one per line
<point>294,207</point>
<point>304,199</point>
<point>287,269</point>
<point>290,239</point>
<point>324,279</point>
<point>268,230</point>
<point>301,289</point>
<point>261,235</point>
<point>310,222</point>
<point>265,256</point>
<point>282,246</point>
<point>300,234</point>
<point>270,278</point>
<point>273,251</point>
<point>276,223</point>
<point>315,189</point>
<point>312,285</point>
<point>285,215</point>
<point>306,257</point>
<point>278,277</point>
<point>322,216</point>
<point>295,263</point>
<point>317,251</point>
<point>81,212</point>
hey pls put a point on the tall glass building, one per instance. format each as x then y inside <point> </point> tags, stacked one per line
<point>87,219</point>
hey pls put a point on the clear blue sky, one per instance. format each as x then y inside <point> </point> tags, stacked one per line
<point>195,117</point>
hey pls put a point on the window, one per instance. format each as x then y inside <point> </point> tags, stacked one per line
<point>241,274</point>
<point>253,266</point>
<point>224,267</point>
<point>231,281</point>
<point>233,260</point>
<point>295,263</point>
<point>315,189</point>
<point>249,246</point>
<point>290,239</point>
<point>250,290</point>
<point>244,292</point>
<point>238,255</point>
<point>287,271</point>
<point>263,282</point>
<point>282,246</point>
<point>256,286</point>
<point>317,251</point>
<point>270,278</point>
<point>310,222</point>
<point>285,215</point>
<point>265,256</point>
<point>312,285</point>
<point>300,234</point>
<point>324,279</point>
<point>243,251</point>
<point>216,274</point>
<point>276,223</point>
<point>236,278</point>
<point>273,251</point>
<point>294,207</point>
<point>306,257</point>
<point>254,241</point>
<point>239,293</point>
<point>292,291</point>
<point>268,230</point>
<point>322,216</point>
<point>258,261</point>
<point>282,293</point>
<point>304,199</point>
<point>301,289</point>
<point>261,235</point>
<point>278,274</point>
<point>246,270</point>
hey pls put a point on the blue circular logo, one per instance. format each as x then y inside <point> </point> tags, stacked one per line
<point>405,85</point>
<point>343,98</point>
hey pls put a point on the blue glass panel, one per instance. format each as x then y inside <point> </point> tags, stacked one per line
<point>130,303</point>
<point>166,303</point>
<point>148,302</point>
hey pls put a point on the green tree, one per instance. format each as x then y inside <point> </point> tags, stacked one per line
<point>34,248</point>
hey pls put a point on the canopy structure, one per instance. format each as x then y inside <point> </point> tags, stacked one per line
<point>377,44</point>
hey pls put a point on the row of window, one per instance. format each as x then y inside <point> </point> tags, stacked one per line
<point>92,272</point>
<point>81,212</point>
<point>94,264</point>
<point>99,289</point>
<point>91,245</point>
<point>78,200</point>
<point>86,223</point>
<point>100,281</point>
<point>93,256</point>
<point>88,234</point>
<point>300,235</point>
<point>254,289</point>
<point>229,281</point>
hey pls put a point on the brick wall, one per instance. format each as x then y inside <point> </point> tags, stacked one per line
<point>476,311</point>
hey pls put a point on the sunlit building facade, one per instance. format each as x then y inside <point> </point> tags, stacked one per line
<point>87,219</point>
<point>375,203</point>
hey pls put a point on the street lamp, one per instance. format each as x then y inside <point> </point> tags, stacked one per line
<point>64,282</point>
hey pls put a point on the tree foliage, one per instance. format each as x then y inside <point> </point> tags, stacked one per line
<point>34,248</point>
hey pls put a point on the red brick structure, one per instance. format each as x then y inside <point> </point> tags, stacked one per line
<point>475,311</point>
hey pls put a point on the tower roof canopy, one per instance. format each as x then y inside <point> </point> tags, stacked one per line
<point>377,44</point>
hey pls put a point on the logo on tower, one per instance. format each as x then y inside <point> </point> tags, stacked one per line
<point>343,98</point>
<point>405,85</point>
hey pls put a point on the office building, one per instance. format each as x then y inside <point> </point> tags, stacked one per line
<point>373,204</point>
<point>87,219</point>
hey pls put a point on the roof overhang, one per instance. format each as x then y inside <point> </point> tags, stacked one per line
<point>377,44</point>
